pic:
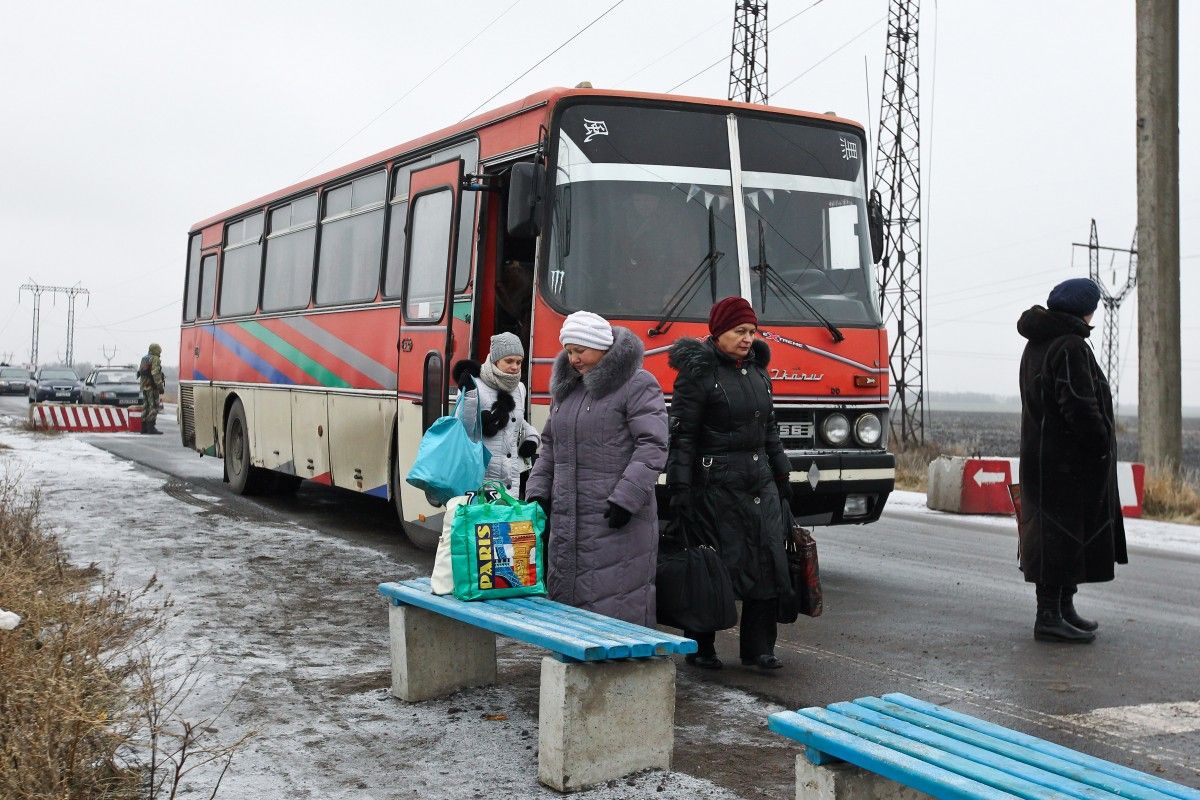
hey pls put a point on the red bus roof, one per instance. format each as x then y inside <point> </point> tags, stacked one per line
<point>546,97</point>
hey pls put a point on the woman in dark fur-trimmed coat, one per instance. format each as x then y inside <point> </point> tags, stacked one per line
<point>602,451</point>
<point>728,474</point>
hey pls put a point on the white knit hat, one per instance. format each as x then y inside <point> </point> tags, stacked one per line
<point>586,329</point>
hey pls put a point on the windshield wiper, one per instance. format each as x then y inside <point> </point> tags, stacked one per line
<point>691,285</point>
<point>768,277</point>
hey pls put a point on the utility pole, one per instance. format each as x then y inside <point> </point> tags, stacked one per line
<point>36,289</point>
<point>898,182</point>
<point>1160,390</point>
<point>1112,295</point>
<point>748,56</point>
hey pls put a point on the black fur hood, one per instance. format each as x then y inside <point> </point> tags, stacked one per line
<point>700,356</point>
<point>619,364</point>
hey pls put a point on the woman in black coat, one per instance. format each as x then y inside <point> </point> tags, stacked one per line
<point>1071,529</point>
<point>727,473</point>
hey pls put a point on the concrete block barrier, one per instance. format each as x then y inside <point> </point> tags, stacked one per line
<point>962,485</point>
<point>61,417</point>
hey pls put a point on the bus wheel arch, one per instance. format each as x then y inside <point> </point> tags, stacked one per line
<point>244,478</point>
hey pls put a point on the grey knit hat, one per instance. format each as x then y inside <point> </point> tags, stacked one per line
<point>505,344</point>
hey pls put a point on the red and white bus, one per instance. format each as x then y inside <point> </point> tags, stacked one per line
<point>321,321</point>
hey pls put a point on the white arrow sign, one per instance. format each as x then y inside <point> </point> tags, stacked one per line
<point>982,477</point>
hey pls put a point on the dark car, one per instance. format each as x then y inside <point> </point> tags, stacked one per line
<point>55,383</point>
<point>14,380</point>
<point>112,386</point>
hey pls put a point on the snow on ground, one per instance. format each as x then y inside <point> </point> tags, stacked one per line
<point>291,628</point>
<point>1145,533</point>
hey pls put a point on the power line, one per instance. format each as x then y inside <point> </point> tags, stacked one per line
<point>672,52</point>
<point>411,89</point>
<point>544,58</point>
<point>840,48</point>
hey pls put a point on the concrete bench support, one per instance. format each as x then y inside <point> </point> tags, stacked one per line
<point>603,720</point>
<point>433,656</point>
<point>842,781</point>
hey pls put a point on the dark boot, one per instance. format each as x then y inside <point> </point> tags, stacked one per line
<point>1050,625</point>
<point>151,429</point>
<point>1067,605</point>
<point>705,656</point>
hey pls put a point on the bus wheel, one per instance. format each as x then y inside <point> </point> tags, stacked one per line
<point>243,477</point>
<point>423,538</point>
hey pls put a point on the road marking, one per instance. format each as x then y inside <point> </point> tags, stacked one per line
<point>1148,719</point>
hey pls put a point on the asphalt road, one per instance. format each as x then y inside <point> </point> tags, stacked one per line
<point>934,607</point>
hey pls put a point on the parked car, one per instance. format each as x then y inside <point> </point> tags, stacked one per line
<point>14,380</point>
<point>112,386</point>
<point>55,383</point>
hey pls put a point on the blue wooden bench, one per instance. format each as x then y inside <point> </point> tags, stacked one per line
<point>944,753</point>
<point>607,703</point>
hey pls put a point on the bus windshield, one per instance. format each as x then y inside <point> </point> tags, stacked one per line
<point>645,215</point>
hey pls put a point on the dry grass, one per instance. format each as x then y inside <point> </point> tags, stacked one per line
<point>91,710</point>
<point>912,462</point>
<point>1170,496</point>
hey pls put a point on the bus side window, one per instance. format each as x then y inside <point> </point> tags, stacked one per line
<point>208,285</point>
<point>193,279</point>
<point>429,254</point>
<point>291,242</point>
<point>352,241</point>
<point>393,280</point>
<point>241,267</point>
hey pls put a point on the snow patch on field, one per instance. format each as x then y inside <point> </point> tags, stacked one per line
<point>287,624</point>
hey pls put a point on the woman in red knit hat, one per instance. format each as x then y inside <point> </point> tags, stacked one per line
<point>727,473</point>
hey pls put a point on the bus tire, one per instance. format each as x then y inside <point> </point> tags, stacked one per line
<point>244,478</point>
<point>422,538</point>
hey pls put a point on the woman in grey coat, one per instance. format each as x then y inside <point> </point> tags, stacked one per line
<point>601,453</point>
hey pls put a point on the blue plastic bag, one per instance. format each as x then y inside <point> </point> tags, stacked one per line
<point>449,462</point>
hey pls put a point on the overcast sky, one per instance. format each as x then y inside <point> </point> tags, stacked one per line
<point>126,122</point>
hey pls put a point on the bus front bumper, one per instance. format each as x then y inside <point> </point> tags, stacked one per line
<point>847,488</point>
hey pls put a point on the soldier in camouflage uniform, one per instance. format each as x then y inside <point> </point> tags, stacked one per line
<point>153,384</point>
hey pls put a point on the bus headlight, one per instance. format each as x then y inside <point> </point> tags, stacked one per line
<point>867,429</point>
<point>835,429</point>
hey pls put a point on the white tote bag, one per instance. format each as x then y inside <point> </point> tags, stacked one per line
<point>442,579</point>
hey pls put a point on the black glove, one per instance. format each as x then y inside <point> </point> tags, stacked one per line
<point>617,517</point>
<point>541,501</point>
<point>464,373</point>
<point>527,448</point>
<point>497,417</point>
<point>785,488</point>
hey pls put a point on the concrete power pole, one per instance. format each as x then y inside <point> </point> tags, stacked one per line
<point>1160,402</point>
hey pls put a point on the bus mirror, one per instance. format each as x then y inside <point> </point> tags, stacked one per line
<point>525,199</point>
<point>875,223</point>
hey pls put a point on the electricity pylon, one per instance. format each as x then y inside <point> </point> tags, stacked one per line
<point>748,56</point>
<point>1112,295</point>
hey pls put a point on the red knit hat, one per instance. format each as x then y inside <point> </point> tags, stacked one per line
<point>727,314</point>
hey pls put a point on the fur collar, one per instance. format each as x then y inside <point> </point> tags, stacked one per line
<point>619,364</point>
<point>701,356</point>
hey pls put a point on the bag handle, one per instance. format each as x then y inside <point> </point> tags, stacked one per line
<point>498,489</point>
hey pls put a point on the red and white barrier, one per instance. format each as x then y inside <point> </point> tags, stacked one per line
<point>62,417</point>
<point>980,485</point>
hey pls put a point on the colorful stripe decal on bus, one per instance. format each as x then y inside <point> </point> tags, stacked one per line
<point>379,373</point>
<point>285,349</point>
<point>259,365</point>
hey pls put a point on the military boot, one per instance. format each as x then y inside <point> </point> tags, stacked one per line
<point>1067,606</point>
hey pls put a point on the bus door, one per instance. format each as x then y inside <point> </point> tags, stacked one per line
<point>428,345</point>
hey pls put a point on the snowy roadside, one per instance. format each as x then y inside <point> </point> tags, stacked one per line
<point>1144,533</point>
<point>291,628</point>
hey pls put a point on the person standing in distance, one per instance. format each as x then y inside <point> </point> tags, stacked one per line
<point>150,377</point>
<point>1070,530</point>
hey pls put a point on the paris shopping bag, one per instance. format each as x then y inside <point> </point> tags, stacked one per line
<point>804,573</point>
<point>692,587</point>
<point>495,546</point>
<point>449,461</point>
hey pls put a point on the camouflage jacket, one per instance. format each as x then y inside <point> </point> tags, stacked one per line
<point>154,381</point>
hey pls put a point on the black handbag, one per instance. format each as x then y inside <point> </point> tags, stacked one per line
<point>804,574</point>
<point>693,589</point>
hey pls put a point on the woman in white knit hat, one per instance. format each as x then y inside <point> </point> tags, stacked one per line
<point>601,453</point>
<point>495,386</point>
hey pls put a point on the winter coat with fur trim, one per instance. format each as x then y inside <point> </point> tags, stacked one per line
<point>605,441</point>
<point>1071,529</point>
<point>506,466</point>
<point>725,450</point>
